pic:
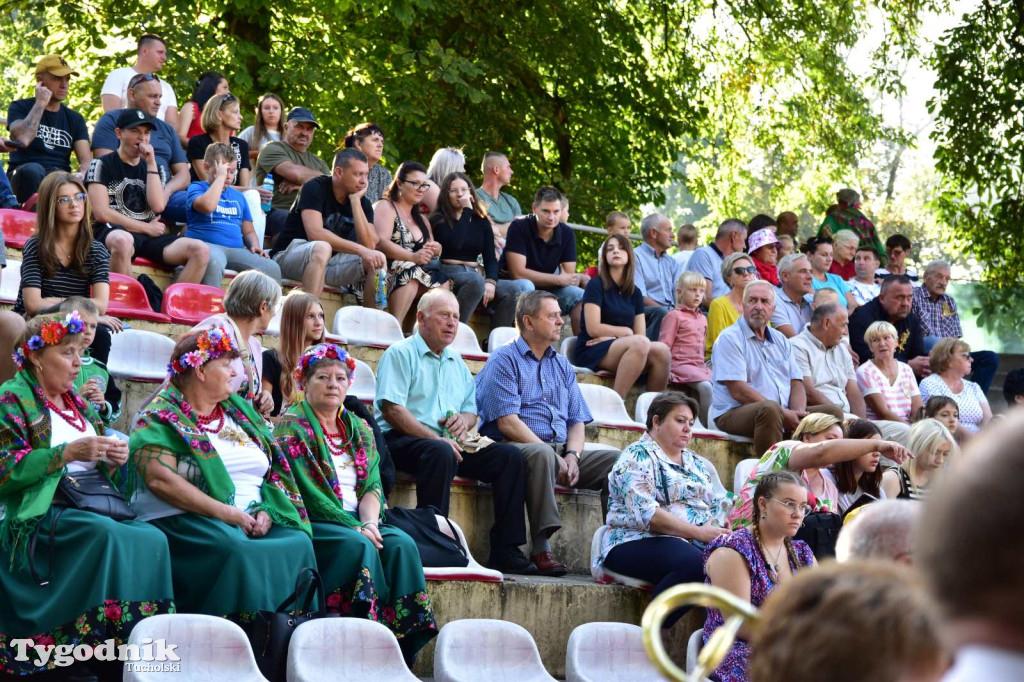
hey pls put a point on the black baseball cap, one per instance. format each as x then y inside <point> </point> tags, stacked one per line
<point>304,115</point>
<point>133,118</point>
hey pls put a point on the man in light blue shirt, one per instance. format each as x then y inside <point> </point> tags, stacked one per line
<point>425,402</point>
<point>792,310</point>
<point>758,388</point>
<point>656,272</point>
<point>707,260</point>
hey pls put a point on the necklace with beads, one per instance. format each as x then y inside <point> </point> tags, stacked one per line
<point>72,416</point>
<point>205,424</point>
<point>336,443</point>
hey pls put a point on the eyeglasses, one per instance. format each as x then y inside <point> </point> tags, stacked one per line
<point>749,270</point>
<point>73,199</point>
<point>794,508</point>
<point>421,186</point>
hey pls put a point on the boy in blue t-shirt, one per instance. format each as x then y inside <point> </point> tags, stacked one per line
<point>218,214</point>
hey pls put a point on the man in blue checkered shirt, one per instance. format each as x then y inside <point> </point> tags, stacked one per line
<point>527,396</point>
<point>940,319</point>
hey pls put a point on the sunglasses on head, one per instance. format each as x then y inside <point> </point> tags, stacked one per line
<point>142,78</point>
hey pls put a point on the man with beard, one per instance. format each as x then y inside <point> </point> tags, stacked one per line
<point>755,374</point>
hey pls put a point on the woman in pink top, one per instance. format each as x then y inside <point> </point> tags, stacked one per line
<point>888,385</point>
<point>684,330</point>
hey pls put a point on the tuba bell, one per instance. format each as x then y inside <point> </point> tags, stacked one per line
<point>735,610</point>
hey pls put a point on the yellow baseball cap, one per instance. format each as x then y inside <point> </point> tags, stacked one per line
<point>54,64</point>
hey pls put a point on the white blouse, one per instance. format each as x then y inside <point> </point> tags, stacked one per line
<point>61,433</point>
<point>345,470</point>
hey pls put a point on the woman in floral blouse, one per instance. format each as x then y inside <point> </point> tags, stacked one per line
<point>375,569</point>
<point>664,505</point>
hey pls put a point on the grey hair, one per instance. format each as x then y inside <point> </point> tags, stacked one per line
<point>649,223</point>
<point>848,196</point>
<point>787,263</point>
<point>845,236</point>
<point>823,311</point>
<point>529,305</point>
<point>759,283</point>
<point>427,300</point>
<point>882,530</point>
<point>247,291</point>
<point>730,261</point>
<point>937,264</point>
<point>729,226</point>
<point>445,161</point>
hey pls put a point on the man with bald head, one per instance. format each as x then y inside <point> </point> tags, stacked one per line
<point>880,531</point>
<point>786,223</point>
<point>755,375</point>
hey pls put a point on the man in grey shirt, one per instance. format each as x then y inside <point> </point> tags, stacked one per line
<point>792,311</point>
<point>707,260</point>
<point>755,374</point>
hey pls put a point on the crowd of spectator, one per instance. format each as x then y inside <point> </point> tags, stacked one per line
<point>846,370</point>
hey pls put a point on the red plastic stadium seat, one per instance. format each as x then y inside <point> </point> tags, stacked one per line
<point>192,303</point>
<point>128,299</point>
<point>17,225</point>
<point>146,263</point>
<point>592,271</point>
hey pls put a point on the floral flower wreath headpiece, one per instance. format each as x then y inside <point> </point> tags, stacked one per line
<point>318,353</point>
<point>213,343</point>
<point>52,333</point>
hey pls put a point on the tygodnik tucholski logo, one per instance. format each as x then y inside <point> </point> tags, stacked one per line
<point>149,656</point>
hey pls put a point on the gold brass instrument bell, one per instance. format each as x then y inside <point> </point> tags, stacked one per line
<point>735,610</point>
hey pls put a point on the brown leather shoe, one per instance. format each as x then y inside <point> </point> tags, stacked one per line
<point>548,565</point>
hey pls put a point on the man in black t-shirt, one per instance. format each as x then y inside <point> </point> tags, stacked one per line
<point>47,130</point>
<point>329,237</point>
<point>126,190</point>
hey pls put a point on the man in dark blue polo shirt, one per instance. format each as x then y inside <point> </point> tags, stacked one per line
<point>541,254</point>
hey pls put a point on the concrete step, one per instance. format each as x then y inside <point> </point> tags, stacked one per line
<point>549,609</point>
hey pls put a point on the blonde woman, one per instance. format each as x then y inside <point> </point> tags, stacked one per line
<point>221,119</point>
<point>888,385</point>
<point>933,447</point>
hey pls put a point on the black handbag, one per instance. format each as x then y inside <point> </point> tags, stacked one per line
<point>437,550</point>
<point>271,631</point>
<point>89,491</point>
<point>820,531</point>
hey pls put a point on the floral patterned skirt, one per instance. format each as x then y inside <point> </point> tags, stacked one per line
<point>386,586</point>
<point>106,576</point>
<point>218,570</point>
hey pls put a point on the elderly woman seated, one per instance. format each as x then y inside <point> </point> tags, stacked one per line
<point>889,388</point>
<point>950,362</point>
<point>334,459</point>
<point>68,575</point>
<point>751,562</point>
<point>666,503</point>
<point>209,475</point>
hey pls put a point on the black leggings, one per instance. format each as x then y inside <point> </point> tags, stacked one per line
<point>662,561</point>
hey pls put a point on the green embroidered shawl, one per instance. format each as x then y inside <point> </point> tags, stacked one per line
<point>299,435</point>
<point>167,426</point>
<point>29,468</point>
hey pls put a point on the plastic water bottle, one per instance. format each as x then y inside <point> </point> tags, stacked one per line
<point>268,185</point>
<point>382,288</point>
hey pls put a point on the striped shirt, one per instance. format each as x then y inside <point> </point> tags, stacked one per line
<point>64,283</point>
<point>897,396</point>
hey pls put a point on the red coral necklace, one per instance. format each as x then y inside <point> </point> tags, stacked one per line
<point>72,416</point>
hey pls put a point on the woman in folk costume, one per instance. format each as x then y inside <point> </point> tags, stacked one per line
<point>208,474</point>
<point>67,575</point>
<point>335,463</point>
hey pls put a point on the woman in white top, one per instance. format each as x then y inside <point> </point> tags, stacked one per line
<point>375,567</point>
<point>266,127</point>
<point>950,361</point>
<point>888,385</point>
<point>209,475</point>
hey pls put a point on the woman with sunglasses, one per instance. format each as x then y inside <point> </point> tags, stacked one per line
<point>406,240</point>
<point>222,118</point>
<point>753,561</point>
<point>819,254</point>
<point>62,260</point>
<point>738,271</point>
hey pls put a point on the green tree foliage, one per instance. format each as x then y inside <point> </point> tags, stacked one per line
<point>980,136</point>
<point>598,97</point>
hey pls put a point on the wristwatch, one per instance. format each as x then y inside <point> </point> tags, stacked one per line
<point>571,452</point>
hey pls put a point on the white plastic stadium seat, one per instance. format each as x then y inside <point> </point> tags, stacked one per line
<point>500,336</point>
<point>259,218</point>
<point>10,283</point>
<point>643,403</point>
<point>567,349</point>
<point>210,648</point>
<point>474,571</point>
<point>345,650</point>
<point>364,383</point>
<point>473,650</point>
<point>743,471</point>
<point>465,344</point>
<point>693,648</point>
<point>609,652</point>
<point>367,326</point>
<point>602,574</point>
<point>607,408</point>
<point>140,355</point>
